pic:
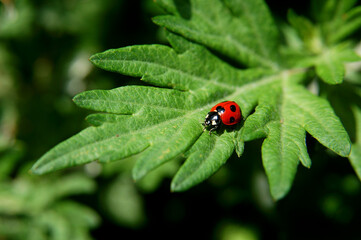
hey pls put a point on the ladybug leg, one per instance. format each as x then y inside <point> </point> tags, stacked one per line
<point>212,129</point>
<point>204,126</point>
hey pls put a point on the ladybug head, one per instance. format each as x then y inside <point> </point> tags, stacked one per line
<point>212,119</point>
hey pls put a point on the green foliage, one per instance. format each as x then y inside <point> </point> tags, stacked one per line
<point>241,30</point>
<point>35,67</point>
<point>161,122</point>
<point>35,208</point>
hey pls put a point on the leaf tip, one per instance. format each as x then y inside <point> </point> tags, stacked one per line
<point>343,149</point>
<point>77,99</point>
<point>278,195</point>
<point>42,167</point>
<point>137,174</point>
<point>174,187</point>
<point>94,58</point>
<point>239,147</point>
<point>157,19</point>
<point>306,162</point>
<point>34,170</point>
<point>345,152</point>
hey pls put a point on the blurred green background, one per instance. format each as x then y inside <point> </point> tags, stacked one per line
<point>44,51</point>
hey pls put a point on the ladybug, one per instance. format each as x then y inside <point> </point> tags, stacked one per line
<point>228,113</point>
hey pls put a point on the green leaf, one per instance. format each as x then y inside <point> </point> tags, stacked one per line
<point>33,207</point>
<point>330,69</point>
<point>330,10</point>
<point>161,122</point>
<point>330,65</point>
<point>308,32</point>
<point>241,30</point>
<point>337,19</point>
<point>348,24</point>
<point>78,214</point>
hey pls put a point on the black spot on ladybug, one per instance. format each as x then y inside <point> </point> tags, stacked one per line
<point>233,108</point>
<point>231,119</point>
<point>220,109</point>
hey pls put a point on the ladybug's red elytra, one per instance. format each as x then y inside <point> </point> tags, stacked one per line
<point>228,113</point>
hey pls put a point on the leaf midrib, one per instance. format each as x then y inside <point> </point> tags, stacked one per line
<point>282,129</point>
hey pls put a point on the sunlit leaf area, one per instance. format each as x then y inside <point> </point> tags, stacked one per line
<point>107,132</point>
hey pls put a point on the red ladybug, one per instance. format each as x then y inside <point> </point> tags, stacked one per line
<point>227,112</point>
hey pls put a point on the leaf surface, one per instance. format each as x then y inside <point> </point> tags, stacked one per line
<point>283,117</point>
<point>242,30</point>
<point>157,123</point>
<point>203,160</point>
<point>330,65</point>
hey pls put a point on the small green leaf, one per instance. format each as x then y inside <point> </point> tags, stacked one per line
<point>308,32</point>
<point>78,214</point>
<point>330,10</point>
<point>330,70</point>
<point>330,65</point>
<point>337,19</point>
<point>348,24</point>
